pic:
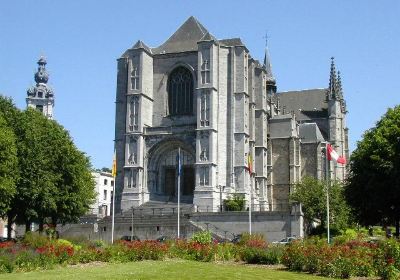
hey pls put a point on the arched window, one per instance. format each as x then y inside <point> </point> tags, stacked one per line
<point>180,92</point>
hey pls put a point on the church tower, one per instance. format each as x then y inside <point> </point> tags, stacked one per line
<point>41,96</point>
<point>337,120</point>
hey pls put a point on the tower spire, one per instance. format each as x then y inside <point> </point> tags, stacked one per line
<point>332,81</point>
<point>267,63</point>
<point>339,86</point>
<point>41,96</point>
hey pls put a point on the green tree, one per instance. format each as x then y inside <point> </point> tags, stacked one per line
<point>12,118</point>
<point>311,193</point>
<point>56,174</point>
<point>54,181</point>
<point>8,166</point>
<point>373,188</point>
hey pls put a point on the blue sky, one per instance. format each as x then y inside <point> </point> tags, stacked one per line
<point>83,39</point>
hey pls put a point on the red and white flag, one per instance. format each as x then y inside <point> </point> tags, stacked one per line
<point>332,154</point>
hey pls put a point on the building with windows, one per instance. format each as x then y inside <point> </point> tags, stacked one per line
<point>41,96</point>
<point>220,107</point>
<point>104,190</point>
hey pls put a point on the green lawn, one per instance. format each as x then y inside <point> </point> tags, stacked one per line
<point>166,270</point>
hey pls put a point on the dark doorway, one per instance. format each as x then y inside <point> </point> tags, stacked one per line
<point>188,181</point>
<point>170,181</point>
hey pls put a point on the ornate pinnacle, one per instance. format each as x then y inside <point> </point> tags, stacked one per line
<point>332,81</point>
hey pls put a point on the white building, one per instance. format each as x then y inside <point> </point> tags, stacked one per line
<point>104,189</point>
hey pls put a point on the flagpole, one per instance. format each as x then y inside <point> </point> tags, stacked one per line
<point>113,213</point>
<point>179,189</point>
<point>250,203</point>
<point>114,174</point>
<point>327,190</point>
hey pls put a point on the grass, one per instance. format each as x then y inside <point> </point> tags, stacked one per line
<point>165,270</point>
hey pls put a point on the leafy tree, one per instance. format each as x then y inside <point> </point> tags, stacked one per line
<point>54,178</point>
<point>311,193</point>
<point>11,116</point>
<point>56,174</point>
<point>8,166</point>
<point>373,188</point>
<point>106,169</point>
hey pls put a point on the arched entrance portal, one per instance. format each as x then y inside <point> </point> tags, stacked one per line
<point>163,173</point>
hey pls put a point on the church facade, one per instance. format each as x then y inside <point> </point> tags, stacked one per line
<point>216,104</point>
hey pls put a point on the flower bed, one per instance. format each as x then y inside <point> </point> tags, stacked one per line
<point>353,258</point>
<point>341,260</point>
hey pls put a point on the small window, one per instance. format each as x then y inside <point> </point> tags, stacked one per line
<point>112,183</point>
<point>40,94</point>
<point>105,195</point>
<point>135,77</point>
<point>105,182</point>
<point>104,228</point>
<point>39,108</point>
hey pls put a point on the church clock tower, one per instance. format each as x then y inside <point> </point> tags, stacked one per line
<point>41,96</point>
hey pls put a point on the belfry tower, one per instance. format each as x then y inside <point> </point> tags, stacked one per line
<point>41,96</point>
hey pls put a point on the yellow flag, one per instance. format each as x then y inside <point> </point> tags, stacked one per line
<point>114,166</point>
<point>250,164</point>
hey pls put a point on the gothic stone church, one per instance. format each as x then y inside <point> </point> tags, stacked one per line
<point>220,106</point>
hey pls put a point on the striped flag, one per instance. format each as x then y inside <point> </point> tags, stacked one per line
<point>332,154</point>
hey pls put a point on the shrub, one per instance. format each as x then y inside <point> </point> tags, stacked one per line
<point>253,240</point>
<point>6,264</point>
<point>35,240</point>
<point>262,256</point>
<point>202,237</point>
<point>194,251</point>
<point>145,250</point>
<point>27,260</point>
<point>236,203</point>
<point>225,252</point>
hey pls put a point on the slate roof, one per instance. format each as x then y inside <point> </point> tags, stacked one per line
<point>140,45</point>
<point>231,42</point>
<point>309,132</point>
<point>184,39</point>
<point>208,37</point>
<point>306,104</point>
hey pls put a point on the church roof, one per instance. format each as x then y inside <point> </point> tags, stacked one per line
<point>140,45</point>
<point>231,42</point>
<point>309,132</point>
<point>208,37</point>
<point>184,39</point>
<point>306,104</point>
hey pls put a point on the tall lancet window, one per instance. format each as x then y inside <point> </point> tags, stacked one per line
<point>134,77</point>
<point>204,173</point>
<point>180,92</point>
<point>134,113</point>
<point>132,150</point>
<point>205,108</point>
<point>205,66</point>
